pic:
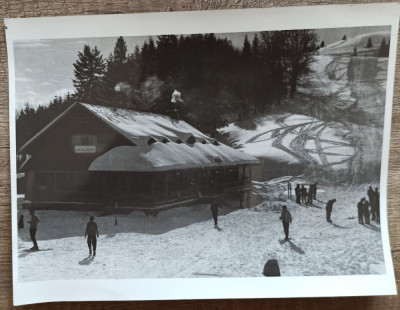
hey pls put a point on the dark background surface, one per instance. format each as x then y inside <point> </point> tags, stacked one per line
<point>36,8</point>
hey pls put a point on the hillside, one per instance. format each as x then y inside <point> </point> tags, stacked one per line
<point>346,47</point>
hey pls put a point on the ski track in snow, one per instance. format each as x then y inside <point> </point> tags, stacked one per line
<point>248,239</point>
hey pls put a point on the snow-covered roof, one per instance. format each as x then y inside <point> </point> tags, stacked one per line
<point>169,156</point>
<point>139,127</point>
<point>159,143</point>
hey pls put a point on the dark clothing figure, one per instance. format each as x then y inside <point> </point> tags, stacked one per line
<point>21,222</point>
<point>286,218</point>
<point>92,232</point>
<point>360,211</point>
<point>303,194</point>
<point>366,211</point>
<point>370,193</point>
<point>310,195</point>
<point>33,229</point>
<point>371,198</point>
<point>328,209</point>
<point>297,191</point>
<point>315,190</point>
<point>32,232</point>
<point>377,205</point>
<point>289,190</point>
<point>214,211</point>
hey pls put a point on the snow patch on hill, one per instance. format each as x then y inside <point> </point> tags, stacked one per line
<point>346,47</point>
<point>291,138</point>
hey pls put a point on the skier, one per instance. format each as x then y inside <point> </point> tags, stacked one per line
<point>360,211</point>
<point>303,194</point>
<point>91,233</point>
<point>286,218</point>
<point>366,211</point>
<point>297,190</point>
<point>328,209</point>
<point>377,205</point>
<point>33,225</point>
<point>214,211</point>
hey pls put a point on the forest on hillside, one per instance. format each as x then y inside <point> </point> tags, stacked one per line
<point>202,79</point>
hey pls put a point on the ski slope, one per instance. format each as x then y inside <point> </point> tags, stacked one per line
<point>249,237</point>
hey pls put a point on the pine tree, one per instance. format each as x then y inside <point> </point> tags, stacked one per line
<point>246,49</point>
<point>89,70</point>
<point>384,49</point>
<point>344,37</point>
<point>255,45</point>
<point>116,76</point>
<point>322,44</point>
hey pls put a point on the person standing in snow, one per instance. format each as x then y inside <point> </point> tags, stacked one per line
<point>303,195</point>
<point>372,202</point>
<point>328,209</point>
<point>377,205</point>
<point>366,211</point>
<point>370,193</point>
<point>91,233</point>
<point>286,218</point>
<point>33,225</point>
<point>289,190</point>
<point>214,210</point>
<point>298,193</point>
<point>310,195</point>
<point>314,190</point>
<point>360,210</point>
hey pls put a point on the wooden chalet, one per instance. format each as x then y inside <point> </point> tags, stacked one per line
<point>91,157</point>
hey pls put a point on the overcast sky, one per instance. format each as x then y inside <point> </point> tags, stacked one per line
<point>43,68</point>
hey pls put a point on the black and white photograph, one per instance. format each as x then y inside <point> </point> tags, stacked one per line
<point>204,155</point>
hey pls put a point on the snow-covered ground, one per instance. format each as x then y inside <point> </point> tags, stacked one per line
<point>249,237</point>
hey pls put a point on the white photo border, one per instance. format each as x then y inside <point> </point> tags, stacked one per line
<point>191,22</point>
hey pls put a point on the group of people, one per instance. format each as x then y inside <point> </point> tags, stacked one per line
<point>91,232</point>
<point>304,196</point>
<point>369,208</point>
<point>366,209</point>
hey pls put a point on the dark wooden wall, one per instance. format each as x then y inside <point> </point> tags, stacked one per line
<point>35,8</point>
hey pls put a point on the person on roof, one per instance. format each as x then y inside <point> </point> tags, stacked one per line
<point>91,233</point>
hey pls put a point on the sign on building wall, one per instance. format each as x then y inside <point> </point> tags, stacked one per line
<point>81,149</point>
